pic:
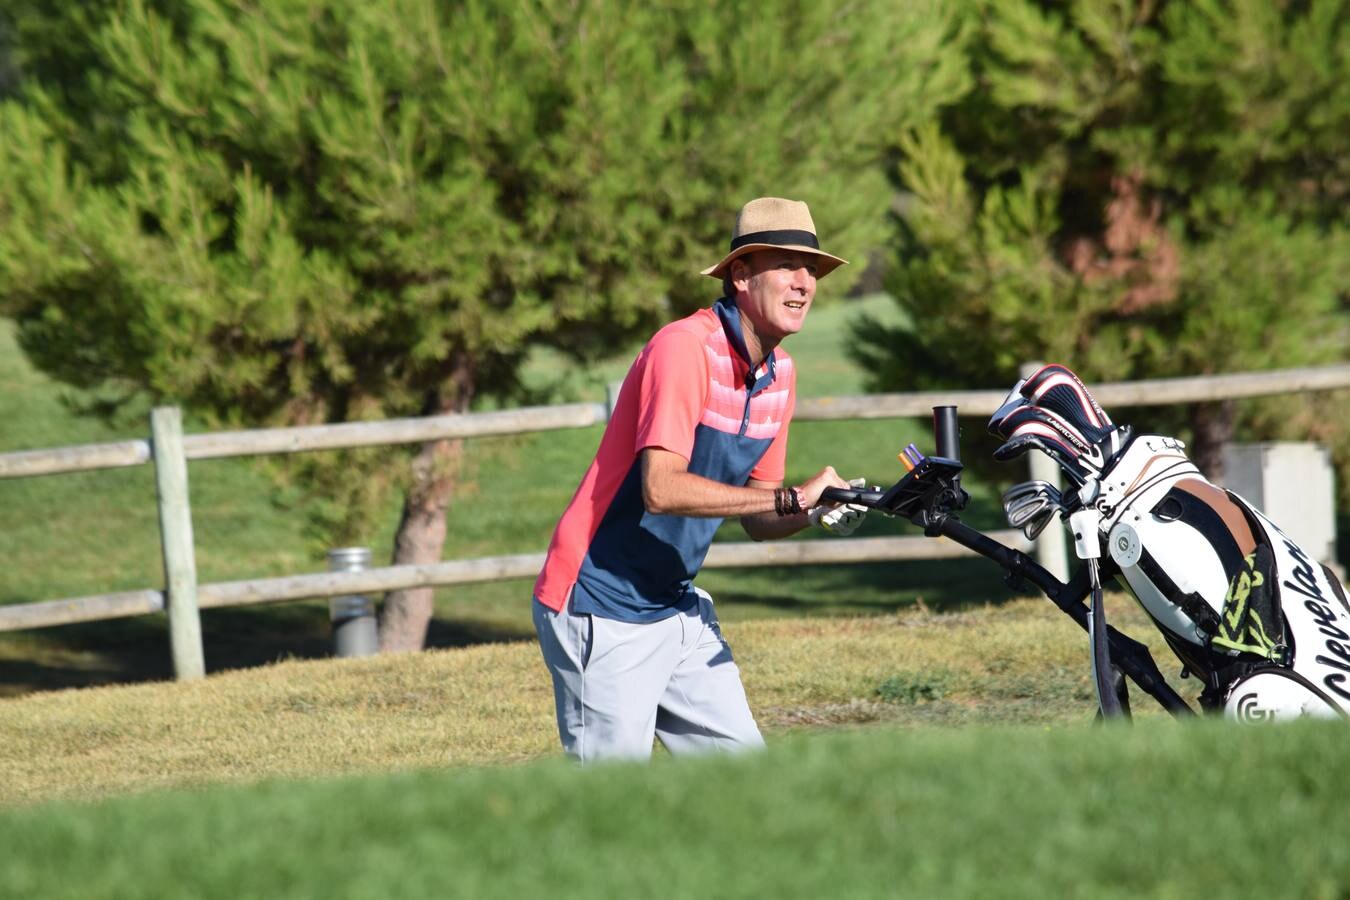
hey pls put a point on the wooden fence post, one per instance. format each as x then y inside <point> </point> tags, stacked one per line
<point>175,530</point>
<point>1051,550</point>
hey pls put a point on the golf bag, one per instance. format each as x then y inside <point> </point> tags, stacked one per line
<point>1245,609</point>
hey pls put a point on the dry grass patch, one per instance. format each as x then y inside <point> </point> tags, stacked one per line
<point>1023,661</point>
<point>488,704</point>
<point>492,704</point>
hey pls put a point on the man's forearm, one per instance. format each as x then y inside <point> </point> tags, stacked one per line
<point>687,494</point>
<point>668,488</point>
<point>771,526</point>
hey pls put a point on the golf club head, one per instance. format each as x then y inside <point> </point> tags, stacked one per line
<point>1030,506</point>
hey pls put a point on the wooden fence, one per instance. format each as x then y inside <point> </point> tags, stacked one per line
<point>170,450</point>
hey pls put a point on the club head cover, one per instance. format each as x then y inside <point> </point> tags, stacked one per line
<point>1030,427</point>
<point>1060,391</point>
<point>1054,412</point>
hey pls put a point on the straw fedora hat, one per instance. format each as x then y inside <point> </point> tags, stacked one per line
<point>774,223</point>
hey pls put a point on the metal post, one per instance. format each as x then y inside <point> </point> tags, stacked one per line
<point>355,632</point>
<point>1050,548</point>
<point>175,531</point>
<point>612,398</point>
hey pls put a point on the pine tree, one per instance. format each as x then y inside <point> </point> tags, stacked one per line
<point>1135,189</point>
<point>315,211</point>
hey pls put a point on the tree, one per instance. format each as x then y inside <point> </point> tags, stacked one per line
<point>1135,189</point>
<point>322,210</point>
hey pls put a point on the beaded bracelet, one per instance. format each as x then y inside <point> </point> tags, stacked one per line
<point>786,501</point>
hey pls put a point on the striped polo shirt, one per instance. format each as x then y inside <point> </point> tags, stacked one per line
<point>690,391</point>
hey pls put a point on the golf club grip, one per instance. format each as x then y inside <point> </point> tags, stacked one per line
<point>852,495</point>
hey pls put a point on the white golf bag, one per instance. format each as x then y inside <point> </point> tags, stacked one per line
<point>1244,608</point>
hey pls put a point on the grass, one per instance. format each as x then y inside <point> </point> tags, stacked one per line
<point>1160,810</point>
<point>435,774</point>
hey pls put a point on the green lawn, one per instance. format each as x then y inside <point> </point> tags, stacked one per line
<point>1205,809</point>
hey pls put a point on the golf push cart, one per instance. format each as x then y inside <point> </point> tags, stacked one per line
<point>1264,627</point>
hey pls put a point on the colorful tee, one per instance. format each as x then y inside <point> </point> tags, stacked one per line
<point>690,391</point>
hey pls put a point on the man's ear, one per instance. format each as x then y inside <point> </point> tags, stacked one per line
<point>739,272</point>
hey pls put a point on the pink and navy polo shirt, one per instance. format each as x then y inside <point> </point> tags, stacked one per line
<point>691,391</point>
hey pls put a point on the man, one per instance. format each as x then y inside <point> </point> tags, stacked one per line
<point>699,433</point>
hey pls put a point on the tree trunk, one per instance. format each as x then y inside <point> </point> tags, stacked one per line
<point>405,614</point>
<point>1212,426</point>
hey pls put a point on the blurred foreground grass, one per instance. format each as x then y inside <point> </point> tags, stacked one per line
<point>1196,809</point>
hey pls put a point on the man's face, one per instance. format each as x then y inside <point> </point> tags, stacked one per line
<point>780,285</point>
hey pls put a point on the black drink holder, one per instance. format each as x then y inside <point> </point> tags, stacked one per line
<point>930,495</point>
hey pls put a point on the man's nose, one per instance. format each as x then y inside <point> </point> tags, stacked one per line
<point>802,278</point>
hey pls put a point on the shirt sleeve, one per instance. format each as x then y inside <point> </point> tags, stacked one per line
<point>672,392</point>
<point>772,466</point>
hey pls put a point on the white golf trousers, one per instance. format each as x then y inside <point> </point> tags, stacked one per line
<point>618,684</point>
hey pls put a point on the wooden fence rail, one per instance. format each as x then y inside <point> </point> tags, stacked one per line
<point>169,450</point>
<point>348,435</point>
<point>468,571</point>
<point>1155,392</point>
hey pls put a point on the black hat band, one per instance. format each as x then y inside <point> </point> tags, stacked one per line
<point>779,238</point>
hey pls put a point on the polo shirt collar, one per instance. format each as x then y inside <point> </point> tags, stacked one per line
<point>730,315</point>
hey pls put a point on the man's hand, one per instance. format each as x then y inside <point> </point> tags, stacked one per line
<point>768,526</point>
<point>841,519</point>
<point>810,490</point>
